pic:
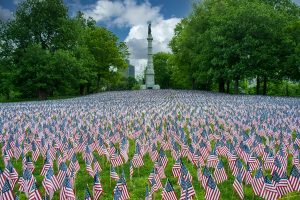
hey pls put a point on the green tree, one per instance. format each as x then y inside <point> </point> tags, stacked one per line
<point>161,62</point>
<point>224,41</point>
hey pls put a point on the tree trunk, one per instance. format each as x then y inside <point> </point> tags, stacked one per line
<point>221,85</point>
<point>193,83</point>
<point>287,89</point>
<point>257,84</point>
<point>265,85</point>
<point>81,89</point>
<point>42,94</point>
<point>236,85</point>
<point>227,86</point>
<point>98,82</point>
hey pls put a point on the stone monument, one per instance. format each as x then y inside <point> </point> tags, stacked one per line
<point>149,72</point>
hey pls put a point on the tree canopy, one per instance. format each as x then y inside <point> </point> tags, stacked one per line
<point>228,41</point>
<point>45,52</point>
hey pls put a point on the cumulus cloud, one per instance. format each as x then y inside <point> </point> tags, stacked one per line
<point>5,14</point>
<point>125,13</point>
<point>130,13</point>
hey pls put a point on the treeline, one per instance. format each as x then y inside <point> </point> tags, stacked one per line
<point>235,46</point>
<point>46,53</point>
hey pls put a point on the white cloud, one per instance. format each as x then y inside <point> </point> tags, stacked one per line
<point>130,13</point>
<point>125,13</point>
<point>5,14</point>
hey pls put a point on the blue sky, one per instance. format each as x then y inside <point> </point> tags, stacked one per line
<point>128,20</point>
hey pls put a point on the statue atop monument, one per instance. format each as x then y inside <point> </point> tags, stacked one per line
<point>149,28</point>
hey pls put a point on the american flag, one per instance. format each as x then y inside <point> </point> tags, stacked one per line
<point>2,178</point>
<point>212,159</point>
<point>238,185</point>
<point>137,160</point>
<point>153,153</point>
<point>26,181</point>
<point>176,168</point>
<point>63,171</point>
<point>168,192</point>
<point>11,174</point>
<point>268,190</point>
<point>74,164</point>
<point>186,186</point>
<point>248,176</point>
<point>154,186</point>
<point>47,164</point>
<point>29,164</point>
<point>148,196</point>
<point>97,167</point>
<point>67,192</point>
<point>220,173</point>
<point>212,191</point>
<point>163,158</point>
<point>6,193</point>
<point>87,194</point>
<point>34,193</point>
<point>258,182</point>
<point>122,185</point>
<point>205,177</point>
<point>89,168</point>
<point>199,173</point>
<point>48,185</point>
<point>278,167</point>
<point>118,194</point>
<point>283,186</point>
<point>295,178</point>
<point>97,188</point>
<point>113,174</point>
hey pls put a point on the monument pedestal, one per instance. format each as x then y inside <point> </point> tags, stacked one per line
<point>155,87</point>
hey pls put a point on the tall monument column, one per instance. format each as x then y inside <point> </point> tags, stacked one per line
<point>149,72</point>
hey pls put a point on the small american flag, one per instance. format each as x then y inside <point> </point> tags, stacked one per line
<point>283,186</point>
<point>118,194</point>
<point>295,178</point>
<point>219,173</point>
<point>148,196</point>
<point>258,182</point>
<point>87,194</point>
<point>168,192</point>
<point>268,190</point>
<point>34,193</point>
<point>238,186</point>
<point>97,188</point>
<point>113,174</point>
<point>67,191</point>
<point>6,193</point>
<point>212,191</point>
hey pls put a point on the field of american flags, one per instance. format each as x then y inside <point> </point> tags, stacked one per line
<point>188,138</point>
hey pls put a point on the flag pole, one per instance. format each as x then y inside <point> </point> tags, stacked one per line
<point>109,175</point>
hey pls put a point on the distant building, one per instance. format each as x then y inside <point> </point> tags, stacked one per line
<point>129,71</point>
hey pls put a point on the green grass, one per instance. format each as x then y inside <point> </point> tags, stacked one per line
<point>137,185</point>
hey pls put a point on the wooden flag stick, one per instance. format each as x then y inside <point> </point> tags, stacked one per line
<point>109,176</point>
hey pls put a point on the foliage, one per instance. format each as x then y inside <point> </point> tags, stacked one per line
<point>45,53</point>
<point>225,42</point>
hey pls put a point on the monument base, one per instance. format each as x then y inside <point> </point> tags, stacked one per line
<point>143,87</point>
<point>155,87</point>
